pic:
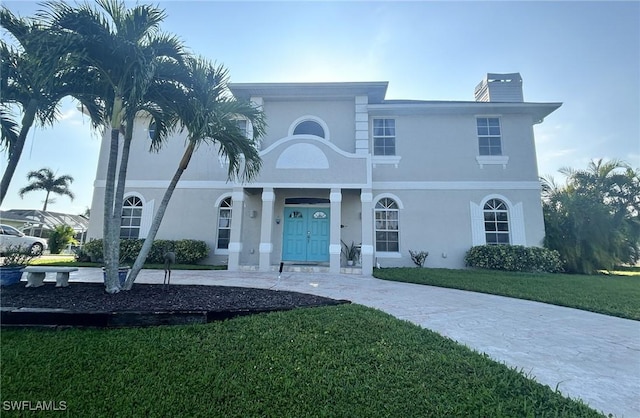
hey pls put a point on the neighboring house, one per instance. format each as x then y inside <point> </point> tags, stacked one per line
<point>342,164</point>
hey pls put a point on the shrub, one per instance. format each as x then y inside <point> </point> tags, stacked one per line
<point>513,258</point>
<point>60,237</point>
<point>419,257</point>
<point>187,251</point>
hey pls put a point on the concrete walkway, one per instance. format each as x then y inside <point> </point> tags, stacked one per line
<point>585,355</point>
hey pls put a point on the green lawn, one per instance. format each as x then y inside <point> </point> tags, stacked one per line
<point>616,295</point>
<point>341,361</point>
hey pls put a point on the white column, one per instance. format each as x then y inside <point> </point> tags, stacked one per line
<point>366,198</point>
<point>335,197</point>
<point>235,243</point>
<point>266,226</point>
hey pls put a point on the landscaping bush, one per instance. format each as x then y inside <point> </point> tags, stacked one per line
<point>60,237</point>
<point>514,258</point>
<point>187,251</point>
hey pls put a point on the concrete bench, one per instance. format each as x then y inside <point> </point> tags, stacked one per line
<point>35,275</point>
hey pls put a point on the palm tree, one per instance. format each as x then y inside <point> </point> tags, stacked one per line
<point>124,47</point>
<point>210,114</point>
<point>45,179</point>
<point>35,76</point>
<point>592,221</point>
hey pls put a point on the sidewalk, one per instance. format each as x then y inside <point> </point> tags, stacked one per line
<point>585,355</point>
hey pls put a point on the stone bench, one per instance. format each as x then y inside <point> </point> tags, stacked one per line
<point>35,275</point>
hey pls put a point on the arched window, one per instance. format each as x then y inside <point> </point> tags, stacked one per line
<point>386,212</point>
<point>152,129</point>
<point>131,218</point>
<point>224,224</point>
<point>309,127</point>
<point>496,222</point>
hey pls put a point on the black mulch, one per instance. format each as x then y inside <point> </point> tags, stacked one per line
<point>91,297</point>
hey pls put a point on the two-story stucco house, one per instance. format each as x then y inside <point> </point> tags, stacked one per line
<point>342,164</point>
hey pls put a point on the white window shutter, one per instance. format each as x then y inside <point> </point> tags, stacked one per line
<point>477,225</point>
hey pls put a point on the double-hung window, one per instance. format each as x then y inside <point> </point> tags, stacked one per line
<point>386,225</point>
<point>384,137</point>
<point>489,136</point>
<point>224,224</point>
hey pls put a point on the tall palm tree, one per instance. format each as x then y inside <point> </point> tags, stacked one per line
<point>45,179</point>
<point>210,115</point>
<point>35,75</point>
<point>124,46</point>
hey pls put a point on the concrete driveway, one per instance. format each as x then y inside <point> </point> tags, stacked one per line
<point>584,355</point>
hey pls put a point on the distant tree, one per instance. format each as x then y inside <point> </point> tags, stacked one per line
<point>592,220</point>
<point>45,179</point>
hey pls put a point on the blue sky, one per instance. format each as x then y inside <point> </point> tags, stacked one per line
<point>583,54</point>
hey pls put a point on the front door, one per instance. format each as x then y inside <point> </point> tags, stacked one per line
<point>306,234</point>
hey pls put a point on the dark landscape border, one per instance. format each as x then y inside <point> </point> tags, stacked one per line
<point>16,317</point>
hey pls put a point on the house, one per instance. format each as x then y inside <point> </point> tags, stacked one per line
<point>343,164</point>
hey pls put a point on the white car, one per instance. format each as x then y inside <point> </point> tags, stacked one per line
<point>11,237</point>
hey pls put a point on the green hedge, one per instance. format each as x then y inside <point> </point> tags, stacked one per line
<point>188,251</point>
<point>514,258</point>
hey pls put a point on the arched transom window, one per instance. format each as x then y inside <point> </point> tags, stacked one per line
<point>131,218</point>
<point>224,223</point>
<point>309,127</point>
<point>496,222</point>
<point>386,212</point>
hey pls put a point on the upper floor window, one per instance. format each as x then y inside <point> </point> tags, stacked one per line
<point>386,225</point>
<point>496,222</point>
<point>309,127</point>
<point>152,129</point>
<point>224,224</point>
<point>131,218</point>
<point>243,126</point>
<point>384,137</point>
<point>489,136</point>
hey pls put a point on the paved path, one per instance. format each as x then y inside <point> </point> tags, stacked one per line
<point>585,355</point>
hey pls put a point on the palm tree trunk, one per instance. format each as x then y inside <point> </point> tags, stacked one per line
<point>157,219</point>
<point>16,149</point>
<point>111,241</point>
<point>46,200</point>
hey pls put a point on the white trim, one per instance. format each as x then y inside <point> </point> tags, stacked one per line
<point>221,198</point>
<point>387,195</point>
<point>386,159</point>
<point>388,185</point>
<point>492,160</point>
<point>325,127</point>
<point>335,249</point>
<point>331,145</point>
<point>457,185</point>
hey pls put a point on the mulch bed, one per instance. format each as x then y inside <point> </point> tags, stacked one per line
<point>91,297</point>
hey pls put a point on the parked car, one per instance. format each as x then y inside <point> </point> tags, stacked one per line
<point>11,237</point>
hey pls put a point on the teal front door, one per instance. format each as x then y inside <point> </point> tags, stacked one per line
<point>306,234</point>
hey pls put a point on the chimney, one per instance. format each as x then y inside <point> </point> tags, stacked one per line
<point>500,88</point>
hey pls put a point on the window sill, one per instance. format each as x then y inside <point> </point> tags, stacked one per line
<point>382,254</point>
<point>386,159</point>
<point>492,160</point>
<point>221,251</point>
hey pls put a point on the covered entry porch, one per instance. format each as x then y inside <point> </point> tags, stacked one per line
<point>301,227</point>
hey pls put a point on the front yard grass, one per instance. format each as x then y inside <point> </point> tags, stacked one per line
<point>615,295</point>
<point>347,360</point>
